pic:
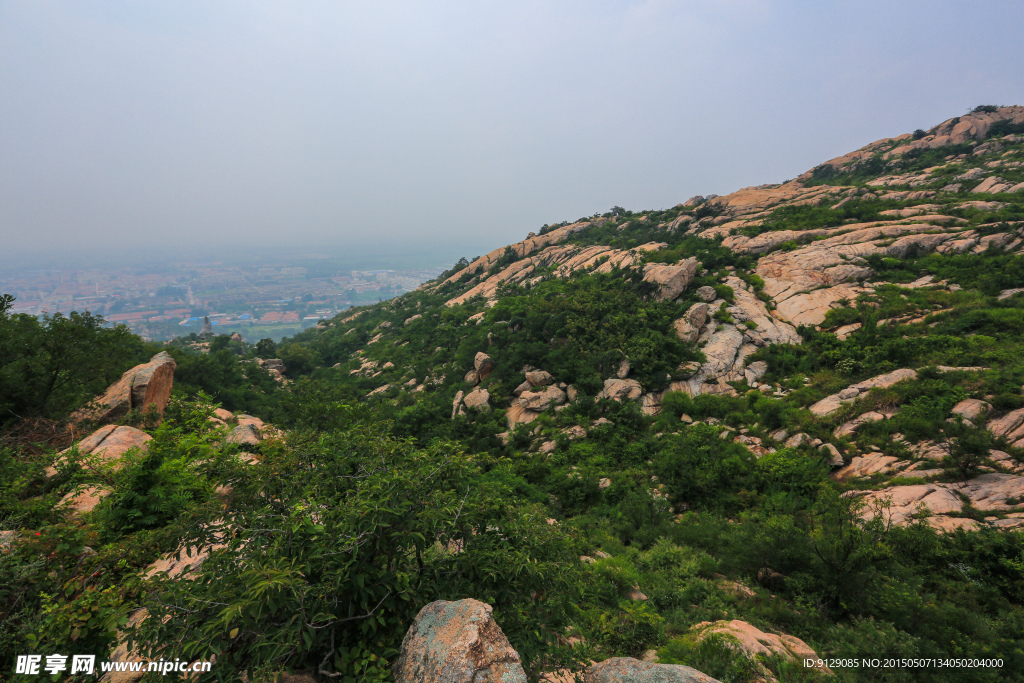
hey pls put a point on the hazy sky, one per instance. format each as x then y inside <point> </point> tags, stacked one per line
<point>184,122</point>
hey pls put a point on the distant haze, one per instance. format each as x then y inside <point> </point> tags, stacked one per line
<point>398,124</point>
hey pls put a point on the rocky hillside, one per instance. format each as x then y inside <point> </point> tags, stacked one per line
<point>702,443</point>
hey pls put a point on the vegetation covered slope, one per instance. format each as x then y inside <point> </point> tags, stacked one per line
<point>796,405</point>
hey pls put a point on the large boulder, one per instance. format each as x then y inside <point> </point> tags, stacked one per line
<point>144,387</point>
<point>457,642</point>
<point>629,670</point>
<point>478,399</point>
<point>245,435</point>
<point>539,378</point>
<point>621,390</point>
<point>688,327</point>
<point>542,400</point>
<point>753,642</point>
<point>483,365</point>
<point>107,444</point>
<point>671,279</point>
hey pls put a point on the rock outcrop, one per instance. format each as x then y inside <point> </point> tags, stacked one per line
<point>629,670</point>
<point>144,387</point>
<point>106,445</point>
<point>621,390</point>
<point>671,280</point>
<point>457,642</point>
<point>831,404</point>
<point>688,327</point>
<point>753,642</point>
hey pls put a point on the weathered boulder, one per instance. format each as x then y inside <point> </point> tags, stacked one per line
<point>457,642</point>
<point>621,390</point>
<point>483,365</point>
<point>798,440</point>
<point>245,435</point>
<point>706,293</point>
<point>688,327</point>
<point>629,670</point>
<point>478,400</point>
<point>457,407</point>
<point>754,642</point>
<point>79,502</point>
<point>472,378</point>
<point>835,458</point>
<point>848,428</point>
<point>542,400</point>
<point>539,378</point>
<point>144,387</point>
<point>671,279</point>
<point>107,443</point>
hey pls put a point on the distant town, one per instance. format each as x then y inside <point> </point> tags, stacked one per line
<point>256,300</point>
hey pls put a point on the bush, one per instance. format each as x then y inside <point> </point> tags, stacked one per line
<point>337,541</point>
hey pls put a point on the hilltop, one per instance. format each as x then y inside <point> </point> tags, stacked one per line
<point>735,434</point>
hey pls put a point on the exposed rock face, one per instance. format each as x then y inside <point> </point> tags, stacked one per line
<point>752,641</point>
<point>80,502</point>
<point>671,280</point>
<point>629,670</point>
<point>972,409</point>
<point>108,443</point>
<point>748,308</point>
<point>848,428</point>
<point>866,465</point>
<point>517,414</point>
<point>457,642</point>
<point>688,327</point>
<point>534,253</point>
<point>144,387</point>
<point>721,351</point>
<point>809,281</point>
<point>621,390</point>
<point>988,493</point>
<point>1010,425</point>
<point>830,404</point>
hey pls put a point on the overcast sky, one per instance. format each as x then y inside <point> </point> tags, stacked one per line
<point>338,123</point>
